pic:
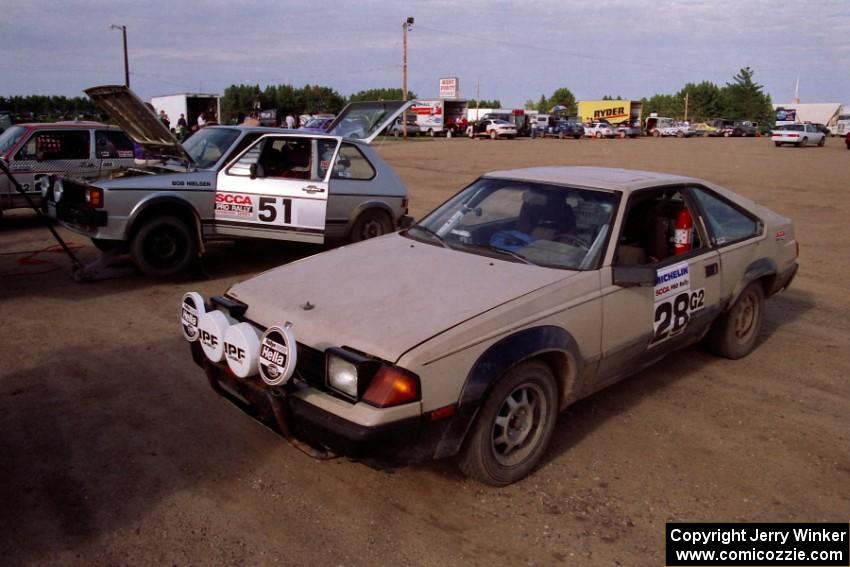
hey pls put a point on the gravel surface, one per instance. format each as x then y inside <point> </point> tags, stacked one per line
<point>114,450</point>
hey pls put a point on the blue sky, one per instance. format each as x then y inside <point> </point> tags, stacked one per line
<point>515,50</point>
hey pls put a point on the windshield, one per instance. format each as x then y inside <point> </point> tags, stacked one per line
<point>536,223</point>
<point>10,137</point>
<point>318,122</point>
<point>209,144</point>
<point>794,127</point>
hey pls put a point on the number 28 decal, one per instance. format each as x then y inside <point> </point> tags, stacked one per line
<point>673,315</point>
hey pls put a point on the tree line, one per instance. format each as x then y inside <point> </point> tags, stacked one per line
<point>742,98</point>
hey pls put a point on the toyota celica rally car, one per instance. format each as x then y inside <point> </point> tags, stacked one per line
<point>467,333</point>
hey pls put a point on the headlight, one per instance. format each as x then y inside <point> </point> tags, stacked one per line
<point>342,376</point>
<point>58,189</point>
<point>348,372</point>
<point>363,379</point>
<point>44,186</point>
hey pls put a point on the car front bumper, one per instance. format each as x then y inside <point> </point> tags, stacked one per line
<point>286,409</point>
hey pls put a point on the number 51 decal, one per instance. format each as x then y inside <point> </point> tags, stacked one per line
<point>673,315</point>
<point>267,210</point>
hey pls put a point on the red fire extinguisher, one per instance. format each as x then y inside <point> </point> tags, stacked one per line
<point>684,231</point>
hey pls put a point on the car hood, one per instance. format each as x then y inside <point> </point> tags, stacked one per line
<point>385,296</point>
<point>138,121</point>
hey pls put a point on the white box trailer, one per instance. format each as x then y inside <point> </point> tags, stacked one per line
<point>439,116</point>
<point>191,105</point>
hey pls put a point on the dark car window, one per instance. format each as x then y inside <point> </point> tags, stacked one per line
<point>728,224</point>
<point>112,144</point>
<point>352,164</point>
<point>53,145</point>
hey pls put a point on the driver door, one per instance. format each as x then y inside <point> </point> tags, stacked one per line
<point>277,188</point>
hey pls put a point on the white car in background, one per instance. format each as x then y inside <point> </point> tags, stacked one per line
<point>493,128</point>
<point>600,130</point>
<point>799,135</point>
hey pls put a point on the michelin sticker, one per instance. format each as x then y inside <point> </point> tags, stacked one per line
<point>190,311</point>
<point>672,280</point>
<point>675,302</point>
<point>278,355</point>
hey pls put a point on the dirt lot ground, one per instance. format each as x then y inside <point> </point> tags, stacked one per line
<point>113,449</point>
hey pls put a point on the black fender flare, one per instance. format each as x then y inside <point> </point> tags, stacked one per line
<point>755,271</point>
<point>492,365</point>
<point>146,205</point>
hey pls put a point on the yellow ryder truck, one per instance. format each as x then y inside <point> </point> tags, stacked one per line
<point>614,111</point>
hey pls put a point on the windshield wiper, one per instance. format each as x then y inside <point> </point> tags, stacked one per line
<point>430,232</point>
<point>503,251</point>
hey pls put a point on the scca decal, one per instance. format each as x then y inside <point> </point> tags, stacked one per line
<point>234,199</point>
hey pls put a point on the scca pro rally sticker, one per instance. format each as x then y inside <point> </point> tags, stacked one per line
<point>234,205</point>
<point>190,311</point>
<point>675,302</point>
<point>278,355</point>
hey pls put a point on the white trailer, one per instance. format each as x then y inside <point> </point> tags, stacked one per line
<point>191,105</point>
<point>439,116</point>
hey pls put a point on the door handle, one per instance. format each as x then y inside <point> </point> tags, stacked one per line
<point>711,270</point>
<point>313,189</point>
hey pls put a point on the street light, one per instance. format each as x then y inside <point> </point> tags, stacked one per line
<point>405,27</point>
<point>126,64</point>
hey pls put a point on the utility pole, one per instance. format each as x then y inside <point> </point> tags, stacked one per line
<point>477,98</point>
<point>405,27</point>
<point>126,63</point>
<point>686,107</point>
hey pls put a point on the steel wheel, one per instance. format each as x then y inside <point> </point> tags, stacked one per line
<point>735,333</point>
<point>370,224</point>
<point>513,426</point>
<point>745,316</point>
<point>518,424</point>
<point>163,246</point>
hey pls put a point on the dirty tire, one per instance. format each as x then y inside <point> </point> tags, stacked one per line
<point>680,134</point>
<point>735,333</point>
<point>803,142</point>
<point>777,144</point>
<point>370,223</point>
<point>493,135</point>
<point>163,246</point>
<point>560,135</point>
<point>822,142</point>
<point>513,427</point>
<point>656,133</point>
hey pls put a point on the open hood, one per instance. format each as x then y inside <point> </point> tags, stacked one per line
<point>365,120</point>
<point>138,121</point>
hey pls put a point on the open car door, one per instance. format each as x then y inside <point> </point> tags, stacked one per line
<point>365,120</point>
<point>277,188</point>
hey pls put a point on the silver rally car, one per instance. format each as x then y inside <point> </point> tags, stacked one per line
<point>468,332</point>
<point>234,182</point>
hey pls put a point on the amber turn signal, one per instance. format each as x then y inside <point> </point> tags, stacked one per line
<point>392,386</point>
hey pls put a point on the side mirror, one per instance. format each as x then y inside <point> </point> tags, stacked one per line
<point>631,276</point>
<point>252,170</point>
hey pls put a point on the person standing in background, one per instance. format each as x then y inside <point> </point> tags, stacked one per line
<point>290,121</point>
